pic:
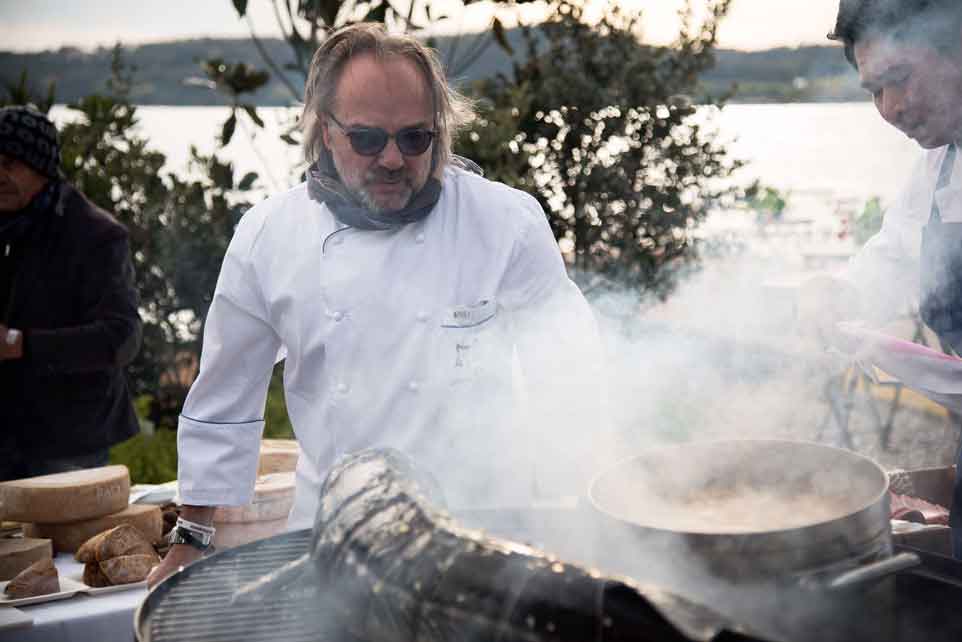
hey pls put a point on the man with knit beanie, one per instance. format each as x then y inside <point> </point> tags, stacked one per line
<point>68,311</point>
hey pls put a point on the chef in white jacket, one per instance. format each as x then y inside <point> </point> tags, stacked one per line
<point>909,56</point>
<point>404,291</point>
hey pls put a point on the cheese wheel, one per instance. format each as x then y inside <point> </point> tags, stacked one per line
<point>66,497</point>
<point>278,456</point>
<point>68,537</point>
<point>229,535</point>
<point>18,554</point>
<point>273,498</point>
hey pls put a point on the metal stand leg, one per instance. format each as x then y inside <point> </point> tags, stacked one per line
<point>839,395</point>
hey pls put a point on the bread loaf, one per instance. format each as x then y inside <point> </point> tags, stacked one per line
<point>93,576</point>
<point>120,540</point>
<point>66,497</point>
<point>127,569</point>
<point>67,538</point>
<point>18,554</point>
<point>40,578</point>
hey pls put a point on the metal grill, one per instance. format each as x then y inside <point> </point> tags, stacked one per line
<point>196,604</point>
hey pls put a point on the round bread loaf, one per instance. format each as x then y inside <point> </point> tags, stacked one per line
<point>127,569</point>
<point>120,540</point>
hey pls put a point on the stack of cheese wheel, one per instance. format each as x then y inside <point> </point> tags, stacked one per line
<point>69,508</point>
<point>265,516</point>
<point>278,456</point>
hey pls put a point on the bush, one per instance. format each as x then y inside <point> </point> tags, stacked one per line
<point>152,459</point>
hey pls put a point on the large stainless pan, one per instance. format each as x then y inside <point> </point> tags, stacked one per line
<point>756,508</point>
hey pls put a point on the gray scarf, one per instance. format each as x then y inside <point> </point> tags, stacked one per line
<point>324,185</point>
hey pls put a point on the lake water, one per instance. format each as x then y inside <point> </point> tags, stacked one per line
<point>832,153</point>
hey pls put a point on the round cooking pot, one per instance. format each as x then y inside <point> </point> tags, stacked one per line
<point>757,509</point>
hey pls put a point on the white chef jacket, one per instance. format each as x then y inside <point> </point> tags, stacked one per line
<point>402,338</point>
<point>886,270</point>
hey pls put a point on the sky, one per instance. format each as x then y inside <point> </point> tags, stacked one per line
<point>35,25</point>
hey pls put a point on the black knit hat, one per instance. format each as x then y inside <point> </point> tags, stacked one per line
<point>30,137</point>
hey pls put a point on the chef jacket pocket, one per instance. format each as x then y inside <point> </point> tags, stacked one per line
<point>467,335</point>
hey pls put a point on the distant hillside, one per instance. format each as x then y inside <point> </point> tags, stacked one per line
<point>804,74</point>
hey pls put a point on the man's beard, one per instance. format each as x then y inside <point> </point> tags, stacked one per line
<point>368,200</point>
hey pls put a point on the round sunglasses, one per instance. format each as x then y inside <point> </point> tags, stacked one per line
<point>370,141</point>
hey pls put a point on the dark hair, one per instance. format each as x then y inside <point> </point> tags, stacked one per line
<point>937,23</point>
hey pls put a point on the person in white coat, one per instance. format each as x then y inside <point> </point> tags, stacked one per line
<point>409,296</point>
<point>908,54</point>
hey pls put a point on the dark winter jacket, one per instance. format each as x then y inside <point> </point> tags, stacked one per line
<point>73,296</point>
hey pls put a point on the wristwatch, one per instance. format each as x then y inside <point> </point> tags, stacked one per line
<point>197,535</point>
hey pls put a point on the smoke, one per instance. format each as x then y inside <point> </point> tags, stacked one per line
<point>723,358</point>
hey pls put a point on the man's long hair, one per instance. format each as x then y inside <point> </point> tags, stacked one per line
<point>452,111</point>
<point>935,23</point>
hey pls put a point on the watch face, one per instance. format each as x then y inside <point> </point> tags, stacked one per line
<point>183,536</point>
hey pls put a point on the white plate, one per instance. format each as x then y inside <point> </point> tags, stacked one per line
<point>90,590</point>
<point>68,588</point>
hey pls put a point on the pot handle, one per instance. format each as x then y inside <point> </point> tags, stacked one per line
<point>873,571</point>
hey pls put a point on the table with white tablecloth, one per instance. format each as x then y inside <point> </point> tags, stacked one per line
<point>106,617</point>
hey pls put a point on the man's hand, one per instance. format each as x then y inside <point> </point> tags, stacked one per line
<point>11,343</point>
<point>179,556</point>
<point>823,302</point>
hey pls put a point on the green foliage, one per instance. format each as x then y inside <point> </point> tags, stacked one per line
<point>234,80</point>
<point>596,126</point>
<point>152,459</point>
<point>869,221</point>
<point>20,94</point>
<point>277,425</point>
<point>152,455</point>
<point>766,202</point>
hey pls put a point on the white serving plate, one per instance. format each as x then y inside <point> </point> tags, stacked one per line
<point>68,588</point>
<point>90,590</point>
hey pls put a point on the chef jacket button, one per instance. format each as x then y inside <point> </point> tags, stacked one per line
<point>337,316</point>
<point>419,238</point>
<point>342,388</point>
<point>414,386</point>
<point>423,316</point>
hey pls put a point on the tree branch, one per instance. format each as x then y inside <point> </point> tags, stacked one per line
<point>270,61</point>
